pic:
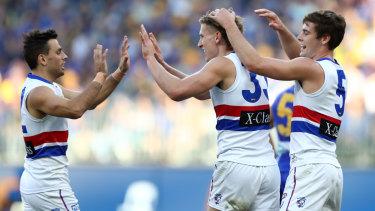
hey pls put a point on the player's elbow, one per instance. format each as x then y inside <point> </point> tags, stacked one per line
<point>176,98</point>
<point>77,112</point>
<point>177,95</point>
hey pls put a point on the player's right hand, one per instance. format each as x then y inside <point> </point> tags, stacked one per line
<point>100,62</point>
<point>223,16</point>
<point>273,20</point>
<point>125,58</point>
<point>148,50</point>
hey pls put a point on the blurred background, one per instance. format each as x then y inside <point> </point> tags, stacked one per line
<point>139,131</point>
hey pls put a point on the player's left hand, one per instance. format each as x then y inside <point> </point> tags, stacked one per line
<point>158,54</point>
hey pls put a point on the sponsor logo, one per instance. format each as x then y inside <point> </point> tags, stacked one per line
<point>329,128</point>
<point>301,202</point>
<point>30,151</point>
<point>255,118</point>
<point>218,197</point>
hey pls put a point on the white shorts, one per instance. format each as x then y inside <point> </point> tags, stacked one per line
<point>56,200</point>
<point>313,187</point>
<point>237,186</point>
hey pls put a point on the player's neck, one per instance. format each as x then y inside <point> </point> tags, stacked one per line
<point>43,74</point>
<point>223,51</point>
<point>323,54</point>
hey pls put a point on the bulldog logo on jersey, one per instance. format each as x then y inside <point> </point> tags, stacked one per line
<point>301,202</point>
<point>218,197</point>
<point>75,207</point>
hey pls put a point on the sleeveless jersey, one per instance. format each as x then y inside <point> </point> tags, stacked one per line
<point>46,144</point>
<point>282,110</point>
<point>317,118</point>
<point>243,118</point>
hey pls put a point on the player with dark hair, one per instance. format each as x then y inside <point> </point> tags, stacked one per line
<point>315,181</point>
<point>246,174</point>
<point>45,105</point>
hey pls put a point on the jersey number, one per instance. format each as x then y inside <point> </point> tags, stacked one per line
<point>284,111</point>
<point>253,97</point>
<point>340,92</point>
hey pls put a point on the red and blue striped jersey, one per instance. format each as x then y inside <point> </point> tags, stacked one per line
<point>317,117</point>
<point>243,118</point>
<point>46,143</point>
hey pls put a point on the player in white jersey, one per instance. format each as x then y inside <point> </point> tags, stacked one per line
<point>315,179</point>
<point>246,175</point>
<point>45,105</point>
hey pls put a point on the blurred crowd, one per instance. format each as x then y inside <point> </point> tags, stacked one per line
<point>139,124</point>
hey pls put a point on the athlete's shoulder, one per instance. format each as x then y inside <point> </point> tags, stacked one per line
<point>221,64</point>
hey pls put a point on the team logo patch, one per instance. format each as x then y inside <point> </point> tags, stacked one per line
<point>75,207</point>
<point>301,202</point>
<point>284,195</point>
<point>218,197</point>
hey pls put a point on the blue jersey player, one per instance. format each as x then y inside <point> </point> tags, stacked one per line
<point>282,110</point>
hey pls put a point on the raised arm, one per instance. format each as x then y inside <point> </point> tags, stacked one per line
<point>42,100</point>
<point>296,69</point>
<point>159,57</point>
<point>115,78</point>
<point>288,41</point>
<point>190,86</point>
<point>112,80</point>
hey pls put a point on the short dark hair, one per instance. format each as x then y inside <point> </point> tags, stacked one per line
<point>328,23</point>
<point>206,19</point>
<point>35,42</point>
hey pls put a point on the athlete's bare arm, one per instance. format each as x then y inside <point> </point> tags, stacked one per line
<point>42,100</point>
<point>159,57</point>
<point>196,84</point>
<point>303,69</point>
<point>288,41</point>
<point>112,80</point>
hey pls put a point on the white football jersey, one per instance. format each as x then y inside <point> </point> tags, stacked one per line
<point>46,144</point>
<point>243,118</point>
<point>317,118</point>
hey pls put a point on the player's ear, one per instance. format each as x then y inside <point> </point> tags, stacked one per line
<point>42,59</point>
<point>218,37</point>
<point>325,39</point>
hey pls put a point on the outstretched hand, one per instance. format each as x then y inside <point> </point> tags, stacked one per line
<point>100,62</point>
<point>223,16</point>
<point>148,50</point>
<point>273,20</point>
<point>158,54</point>
<point>124,59</point>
